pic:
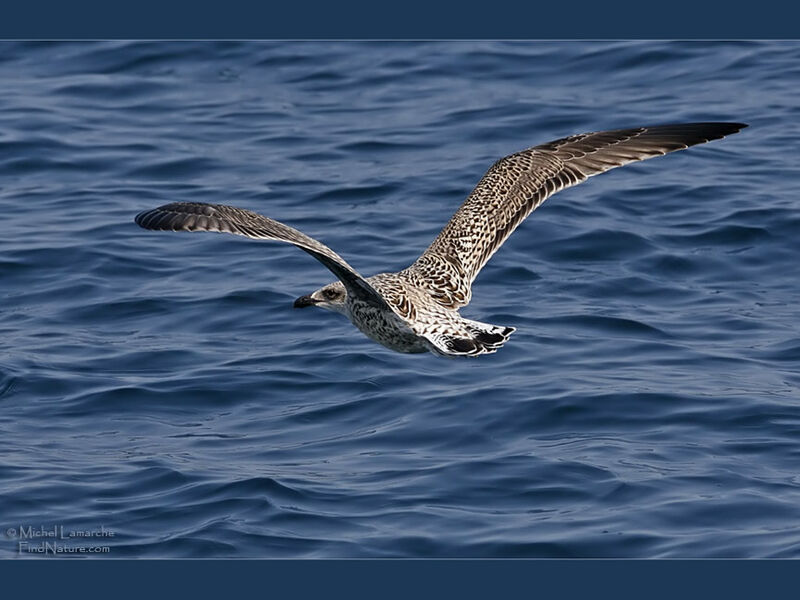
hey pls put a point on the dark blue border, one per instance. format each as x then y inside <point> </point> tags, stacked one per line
<point>345,19</point>
<point>238,19</point>
<point>403,578</point>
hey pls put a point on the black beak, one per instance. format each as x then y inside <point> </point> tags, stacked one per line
<point>304,301</point>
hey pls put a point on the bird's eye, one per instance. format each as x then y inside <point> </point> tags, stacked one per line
<point>329,294</point>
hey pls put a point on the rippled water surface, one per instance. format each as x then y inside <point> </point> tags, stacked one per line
<point>162,387</point>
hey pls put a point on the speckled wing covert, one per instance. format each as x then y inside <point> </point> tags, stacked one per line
<point>198,216</point>
<point>517,184</point>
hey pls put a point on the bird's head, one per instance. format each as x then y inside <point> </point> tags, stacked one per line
<point>331,297</point>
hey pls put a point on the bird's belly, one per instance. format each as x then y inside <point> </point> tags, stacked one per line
<point>388,330</point>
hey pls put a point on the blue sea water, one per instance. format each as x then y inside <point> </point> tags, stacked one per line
<point>161,387</point>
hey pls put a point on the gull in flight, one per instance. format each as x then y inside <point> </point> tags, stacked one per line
<point>416,309</point>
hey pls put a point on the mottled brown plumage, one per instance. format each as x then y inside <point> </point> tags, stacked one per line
<point>415,310</point>
<point>517,184</point>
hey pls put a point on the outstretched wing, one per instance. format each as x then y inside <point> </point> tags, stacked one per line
<point>517,184</point>
<point>196,216</point>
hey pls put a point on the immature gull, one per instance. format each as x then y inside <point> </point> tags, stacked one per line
<point>416,309</point>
